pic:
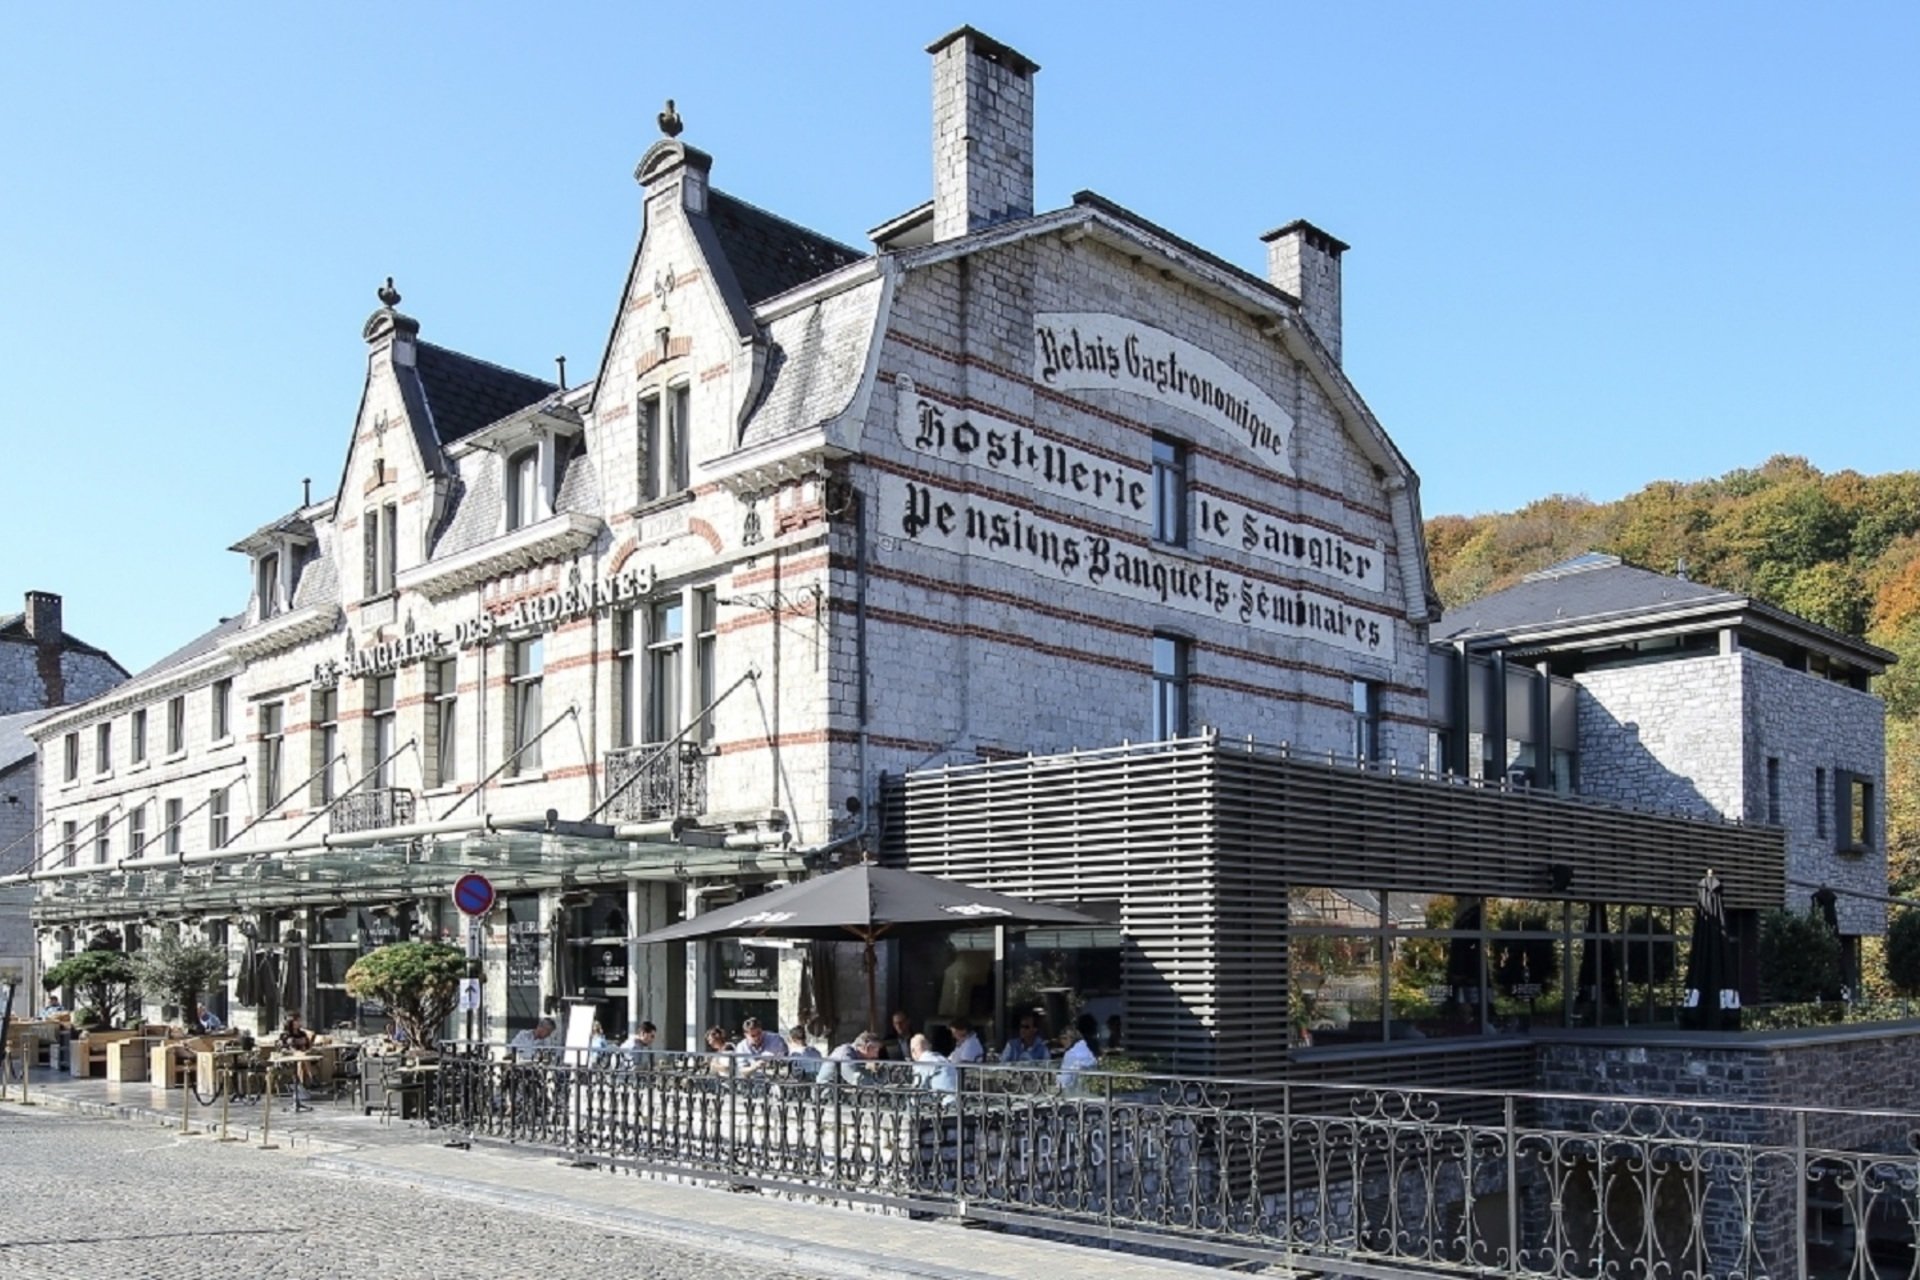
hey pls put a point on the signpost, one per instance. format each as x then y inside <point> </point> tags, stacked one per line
<point>473,895</point>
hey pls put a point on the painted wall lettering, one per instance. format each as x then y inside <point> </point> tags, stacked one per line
<point>931,516</point>
<point>1082,350</point>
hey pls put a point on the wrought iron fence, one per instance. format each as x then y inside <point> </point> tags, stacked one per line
<point>672,782</point>
<point>1378,1181</point>
<point>372,810</point>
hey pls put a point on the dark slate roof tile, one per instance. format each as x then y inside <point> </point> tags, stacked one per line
<point>768,254</point>
<point>1587,586</point>
<point>465,394</point>
<point>194,648</point>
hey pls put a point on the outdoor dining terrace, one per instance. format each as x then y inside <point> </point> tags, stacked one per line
<point>1381,1181</point>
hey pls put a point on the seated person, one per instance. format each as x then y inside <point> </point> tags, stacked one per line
<point>966,1045</point>
<point>899,1041</point>
<point>797,1046</point>
<point>1026,1045</point>
<point>721,1059</point>
<point>52,1006</point>
<point>757,1044</point>
<point>206,1019</point>
<point>536,1044</point>
<point>932,1070</point>
<point>852,1063</point>
<point>295,1038</point>
<point>639,1050</point>
<point>1081,1056</point>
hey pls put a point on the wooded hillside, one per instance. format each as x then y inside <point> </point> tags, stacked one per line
<point>1842,550</point>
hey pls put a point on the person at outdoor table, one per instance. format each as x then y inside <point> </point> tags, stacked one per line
<point>797,1046</point>
<point>1081,1056</point>
<point>966,1045</point>
<point>639,1048</point>
<point>206,1019</point>
<point>852,1061</point>
<point>757,1043</point>
<point>1026,1046</point>
<point>721,1063</point>
<point>536,1042</point>
<point>295,1038</point>
<point>932,1070</point>
<point>52,1006</point>
<point>900,1043</point>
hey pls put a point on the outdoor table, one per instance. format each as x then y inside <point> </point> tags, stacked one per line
<point>126,1059</point>
<point>278,1062</point>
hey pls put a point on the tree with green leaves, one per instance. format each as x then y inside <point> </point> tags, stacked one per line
<point>171,972</point>
<point>418,982</point>
<point>1903,952</point>
<point>1799,957</point>
<point>104,978</point>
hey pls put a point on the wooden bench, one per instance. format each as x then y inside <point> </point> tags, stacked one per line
<point>90,1052</point>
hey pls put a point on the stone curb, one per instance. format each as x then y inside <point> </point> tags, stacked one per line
<point>130,1113</point>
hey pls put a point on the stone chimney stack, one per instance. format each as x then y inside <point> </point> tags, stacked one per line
<point>43,619</point>
<point>1304,261</point>
<point>982,133</point>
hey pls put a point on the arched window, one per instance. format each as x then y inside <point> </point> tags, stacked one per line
<point>523,488</point>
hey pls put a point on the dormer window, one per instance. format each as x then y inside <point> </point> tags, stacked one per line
<point>523,488</point>
<point>268,585</point>
<point>380,546</point>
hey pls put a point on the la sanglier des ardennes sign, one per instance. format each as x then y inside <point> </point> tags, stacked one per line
<point>528,616</point>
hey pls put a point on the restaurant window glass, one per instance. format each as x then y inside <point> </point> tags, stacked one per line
<point>524,680</point>
<point>594,958</point>
<point>382,729</point>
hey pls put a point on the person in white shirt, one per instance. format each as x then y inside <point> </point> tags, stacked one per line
<point>966,1045</point>
<point>1080,1056</point>
<point>537,1043</point>
<point>932,1070</point>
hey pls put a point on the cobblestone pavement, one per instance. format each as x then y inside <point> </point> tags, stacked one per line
<point>82,1196</point>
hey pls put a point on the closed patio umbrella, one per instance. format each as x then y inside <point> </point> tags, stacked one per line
<point>866,902</point>
<point>1713,996</point>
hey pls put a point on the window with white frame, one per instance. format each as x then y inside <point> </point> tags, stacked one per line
<point>325,740</point>
<point>175,811</point>
<point>222,708</point>
<point>136,830</point>
<point>382,729</point>
<point>268,586</point>
<point>380,546</point>
<point>137,736</point>
<point>665,633</point>
<point>272,755</point>
<point>176,725</point>
<point>523,488</point>
<point>626,633</point>
<point>1172,658</point>
<point>69,843</point>
<point>217,818</point>
<point>102,829</point>
<point>705,622</point>
<point>443,722</point>
<point>523,692</point>
<point>70,758</point>
<point>103,747</point>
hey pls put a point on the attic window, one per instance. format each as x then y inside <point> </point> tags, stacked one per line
<point>523,488</point>
<point>268,584</point>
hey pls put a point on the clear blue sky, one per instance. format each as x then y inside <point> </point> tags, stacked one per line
<point>1593,246</point>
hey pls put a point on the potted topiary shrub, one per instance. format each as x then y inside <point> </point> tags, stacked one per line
<point>106,982</point>
<point>418,982</point>
<point>175,973</point>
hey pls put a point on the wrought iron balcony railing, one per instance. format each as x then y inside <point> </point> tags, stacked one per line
<point>372,810</point>
<point>672,782</point>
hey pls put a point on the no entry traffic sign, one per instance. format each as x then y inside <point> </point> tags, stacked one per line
<point>473,894</point>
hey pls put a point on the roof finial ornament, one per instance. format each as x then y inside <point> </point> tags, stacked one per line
<point>388,295</point>
<point>670,122</point>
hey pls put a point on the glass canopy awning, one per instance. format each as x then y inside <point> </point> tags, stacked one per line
<point>378,872</point>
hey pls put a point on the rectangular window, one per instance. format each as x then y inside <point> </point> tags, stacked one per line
<point>1366,721</point>
<point>625,696</point>
<point>222,710</point>
<point>1773,790</point>
<point>103,747</point>
<point>1171,659</point>
<point>380,543</point>
<point>705,611</point>
<point>679,420</point>
<point>176,725</point>
<point>1169,492</point>
<point>69,843</point>
<point>523,684</point>
<point>217,818</point>
<point>70,753</point>
<point>136,830</point>
<point>443,722</point>
<point>653,450</point>
<point>382,723</point>
<point>269,585</point>
<point>1856,811</point>
<point>174,811</point>
<point>272,745</point>
<point>137,737</point>
<point>1820,802</point>
<point>101,828</point>
<point>325,743</point>
<point>665,629</point>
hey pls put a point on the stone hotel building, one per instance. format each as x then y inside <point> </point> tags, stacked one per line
<point>1045,549</point>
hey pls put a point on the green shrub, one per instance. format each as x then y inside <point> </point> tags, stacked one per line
<point>105,979</point>
<point>1799,957</point>
<point>418,982</point>
<point>169,971</point>
<point>1903,952</point>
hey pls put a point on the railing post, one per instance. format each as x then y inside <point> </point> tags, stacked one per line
<point>1109,1148</point>
<point>1286,1174</point>
<point>1513,1191</point>
<point>1799,1188</point>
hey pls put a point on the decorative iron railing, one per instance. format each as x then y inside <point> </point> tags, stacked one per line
<point>672,782</point>
<point>1363,1181</point>
<point>372,810</point>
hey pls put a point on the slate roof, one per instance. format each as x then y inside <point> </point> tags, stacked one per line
<point>815,359</point>
<point>201,644</point>
<point>1587,586</point>
<point>15,746</point>
<point>465,394</point>
<point>13,626</point>
<point>768,254</point>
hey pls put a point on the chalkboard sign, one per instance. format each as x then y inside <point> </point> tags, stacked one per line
<point>523,952</point>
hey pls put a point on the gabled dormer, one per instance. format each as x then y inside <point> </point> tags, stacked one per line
<point>278,554</point>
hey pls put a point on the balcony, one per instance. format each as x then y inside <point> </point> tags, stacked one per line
<point>372,810</point>
<point>671,783</point>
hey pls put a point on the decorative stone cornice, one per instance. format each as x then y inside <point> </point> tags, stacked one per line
<point>556,538</point>
<point>283,632</point>
<point>801,456</point>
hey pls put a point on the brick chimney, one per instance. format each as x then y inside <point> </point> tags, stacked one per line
<point>982,133</point>
<point>1304,261</point>
<point>43,619</point>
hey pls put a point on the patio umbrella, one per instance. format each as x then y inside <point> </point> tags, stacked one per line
<point>866,902</point>
<point>1713,999</point>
